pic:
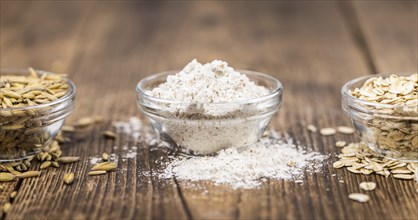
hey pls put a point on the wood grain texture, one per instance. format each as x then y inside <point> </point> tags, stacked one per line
<point>392,38</point>
<point>107,47</point>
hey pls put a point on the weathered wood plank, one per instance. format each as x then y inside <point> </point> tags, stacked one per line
<point>308,46</point>
<point>120,194</point>
<point>390,29</point>
<point>48,31</point>
<point>27,40</point>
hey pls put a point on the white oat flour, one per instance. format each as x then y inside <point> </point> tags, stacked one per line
<point>208,83</point>
<point>207,116</point>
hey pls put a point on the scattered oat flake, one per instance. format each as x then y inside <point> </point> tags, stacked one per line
<point>67,128</point>
<point>403,176</point>
<point>109,134</point>
<point>353,170</point>
<point>345,130</point>
<point>84,122</point>
<point>340,143</point>
<point>368,186</point>
<point>359,197</point>
<point>416,174</point>
<point>312,128</point>
<point>338,164</point>
<point>327,131</point>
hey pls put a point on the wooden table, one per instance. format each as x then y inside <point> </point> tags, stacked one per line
<point>312,47</point>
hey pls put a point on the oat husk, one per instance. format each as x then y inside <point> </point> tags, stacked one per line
<point>96,172</point>
<point>68,159</point>
<point>106,166</point>
<point>6,177</point>
<point>29,174</point>
<point>69,178</point>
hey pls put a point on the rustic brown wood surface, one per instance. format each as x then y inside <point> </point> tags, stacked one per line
<point>313,48</point>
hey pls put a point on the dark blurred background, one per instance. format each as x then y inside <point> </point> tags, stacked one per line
<point>311,46</point>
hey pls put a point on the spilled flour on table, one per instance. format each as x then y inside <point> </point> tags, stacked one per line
<point>273,157</point>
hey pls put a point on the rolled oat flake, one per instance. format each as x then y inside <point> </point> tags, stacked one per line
<point>368,186</point>
<point>359,197</point>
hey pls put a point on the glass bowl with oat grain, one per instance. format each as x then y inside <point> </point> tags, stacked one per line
<point>33,106</point>
<point>384,110</point>
<point>205,108</point>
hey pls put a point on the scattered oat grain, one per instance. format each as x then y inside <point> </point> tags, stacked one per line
<point>45,165</point>
<point>106,166</point>
<point>68,178</point>
<point>105,156</point>
<point>13,194</point>
<point>84,122</point>
<point>96,172</point>
<point>5,177</point>
<point>6,207</point>
<point>109,134</point>
<point>29,174</point>
<point>68,159</point>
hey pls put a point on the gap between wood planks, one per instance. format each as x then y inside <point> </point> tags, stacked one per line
<point>183,200</point>
<point>350,17</point>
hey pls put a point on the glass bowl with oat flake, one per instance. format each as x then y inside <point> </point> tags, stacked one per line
<point>384,110</point>
<point>33,106</point>
<point>208,107</point>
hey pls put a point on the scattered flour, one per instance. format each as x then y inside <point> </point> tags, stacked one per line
<point>98,159</point>
<point>134,130</point>
<point>95,160</point>
<point>132,127</point>
<point>272,157</point>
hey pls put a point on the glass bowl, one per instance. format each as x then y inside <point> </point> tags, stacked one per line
<point>205,128</point>
<point>390,130</point>
<point>24,131</point>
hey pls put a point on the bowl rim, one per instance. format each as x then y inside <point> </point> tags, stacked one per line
<point>345,90</point>
<point>16,71</point>
<point>276,91</point>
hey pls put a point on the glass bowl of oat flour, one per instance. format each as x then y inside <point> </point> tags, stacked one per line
<point>384,110</point>
<point>208,107</point>
<point>33,106</point>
